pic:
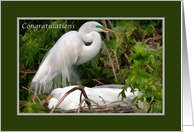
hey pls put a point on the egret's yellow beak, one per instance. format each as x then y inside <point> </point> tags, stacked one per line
<point>47,99</point>
<point>106,29</point>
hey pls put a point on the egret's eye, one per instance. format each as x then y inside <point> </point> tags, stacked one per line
<point>99,26</point>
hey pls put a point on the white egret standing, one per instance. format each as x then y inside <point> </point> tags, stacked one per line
<point>69,51</point>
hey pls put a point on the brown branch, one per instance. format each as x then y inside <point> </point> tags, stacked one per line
<point>78,110</point>
<point>80,97</point>
<point>87,100</point>
<point>81,88</point>
<point>27,89</point>
<point>116,102</point>
<point>47,99</point>
<point>32,98</point>
<point>113,69</point>
<point>126,56</point>
<point>153,38</point>
<point>105,79</point>
<point>36,97</point>
<point>116,59</point>
<point>67,93</point>
<point>24,105</point>
<point>98,81</point>
<point>102,99</point>
<point>149,67</point>
<point>28,72</point>
<point>104,24</point>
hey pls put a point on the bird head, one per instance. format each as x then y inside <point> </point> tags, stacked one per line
<point>94,26</point>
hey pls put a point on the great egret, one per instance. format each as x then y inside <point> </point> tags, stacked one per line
<point>101,95</point>
<point>69,51</point>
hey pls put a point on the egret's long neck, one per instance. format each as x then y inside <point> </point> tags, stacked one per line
<point>89,52</point>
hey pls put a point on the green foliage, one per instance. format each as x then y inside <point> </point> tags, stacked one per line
<point>34,108</point>
<point>145,73</point>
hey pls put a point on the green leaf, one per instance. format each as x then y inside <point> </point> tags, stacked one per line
<point>137,106</point>
<point>134,100</point>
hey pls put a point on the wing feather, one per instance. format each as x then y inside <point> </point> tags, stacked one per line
<point>57,63</point>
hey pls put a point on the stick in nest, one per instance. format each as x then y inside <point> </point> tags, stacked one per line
<point>87,100</point>
<point>102,99</point>
<point>36,97</point>
<point>81,88</point>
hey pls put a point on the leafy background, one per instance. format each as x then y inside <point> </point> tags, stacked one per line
<point>133,58</point>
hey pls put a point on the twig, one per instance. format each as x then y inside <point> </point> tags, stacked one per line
<point>104,24</point>
<point>47,99</point>
<point>24,105</point>
<point>80,97</point>
<point>116,59</point>
<point>67,93</point>
<point>113,69</point>
<point>154,31</point>
<point>102,99</point>
<point>153,38</point>
<point>87,100</point>
<point>81,88</point>
<point>98,81</point>
<point>116,102</point>
<point>78,110</point>
<point>28,72</point>
<point>36,97</point>
<point>126,56</point>
<point>149,67</point>
<point>32,98</point>
<point>27,89</point>
<point>105,79</point>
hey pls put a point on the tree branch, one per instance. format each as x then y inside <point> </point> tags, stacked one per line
<point>116,59</point>
<point>36,97</point>
<point>113,69</point>
<point>87,100</point>
<point>104,24</point>
<point>81,88</point>
<point>98,81</point>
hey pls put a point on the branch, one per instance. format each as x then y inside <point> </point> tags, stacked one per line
<point>28,72</point>
<point>116,59</point>
<point>27,89</point>
<point>153,38</point>
<point>113,69</point>
<point>102,99</point>
<point>41,102</point>
<point>81,88</point>
<point>98,81</point>
<point>116,102</point>
<point>104,24</point>
<point>87,100</point>
<point>67,93</point>
<point>149,67</point>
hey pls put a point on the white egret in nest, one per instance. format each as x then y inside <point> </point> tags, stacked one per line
<point>70,50</point>
<point>105,95</point>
